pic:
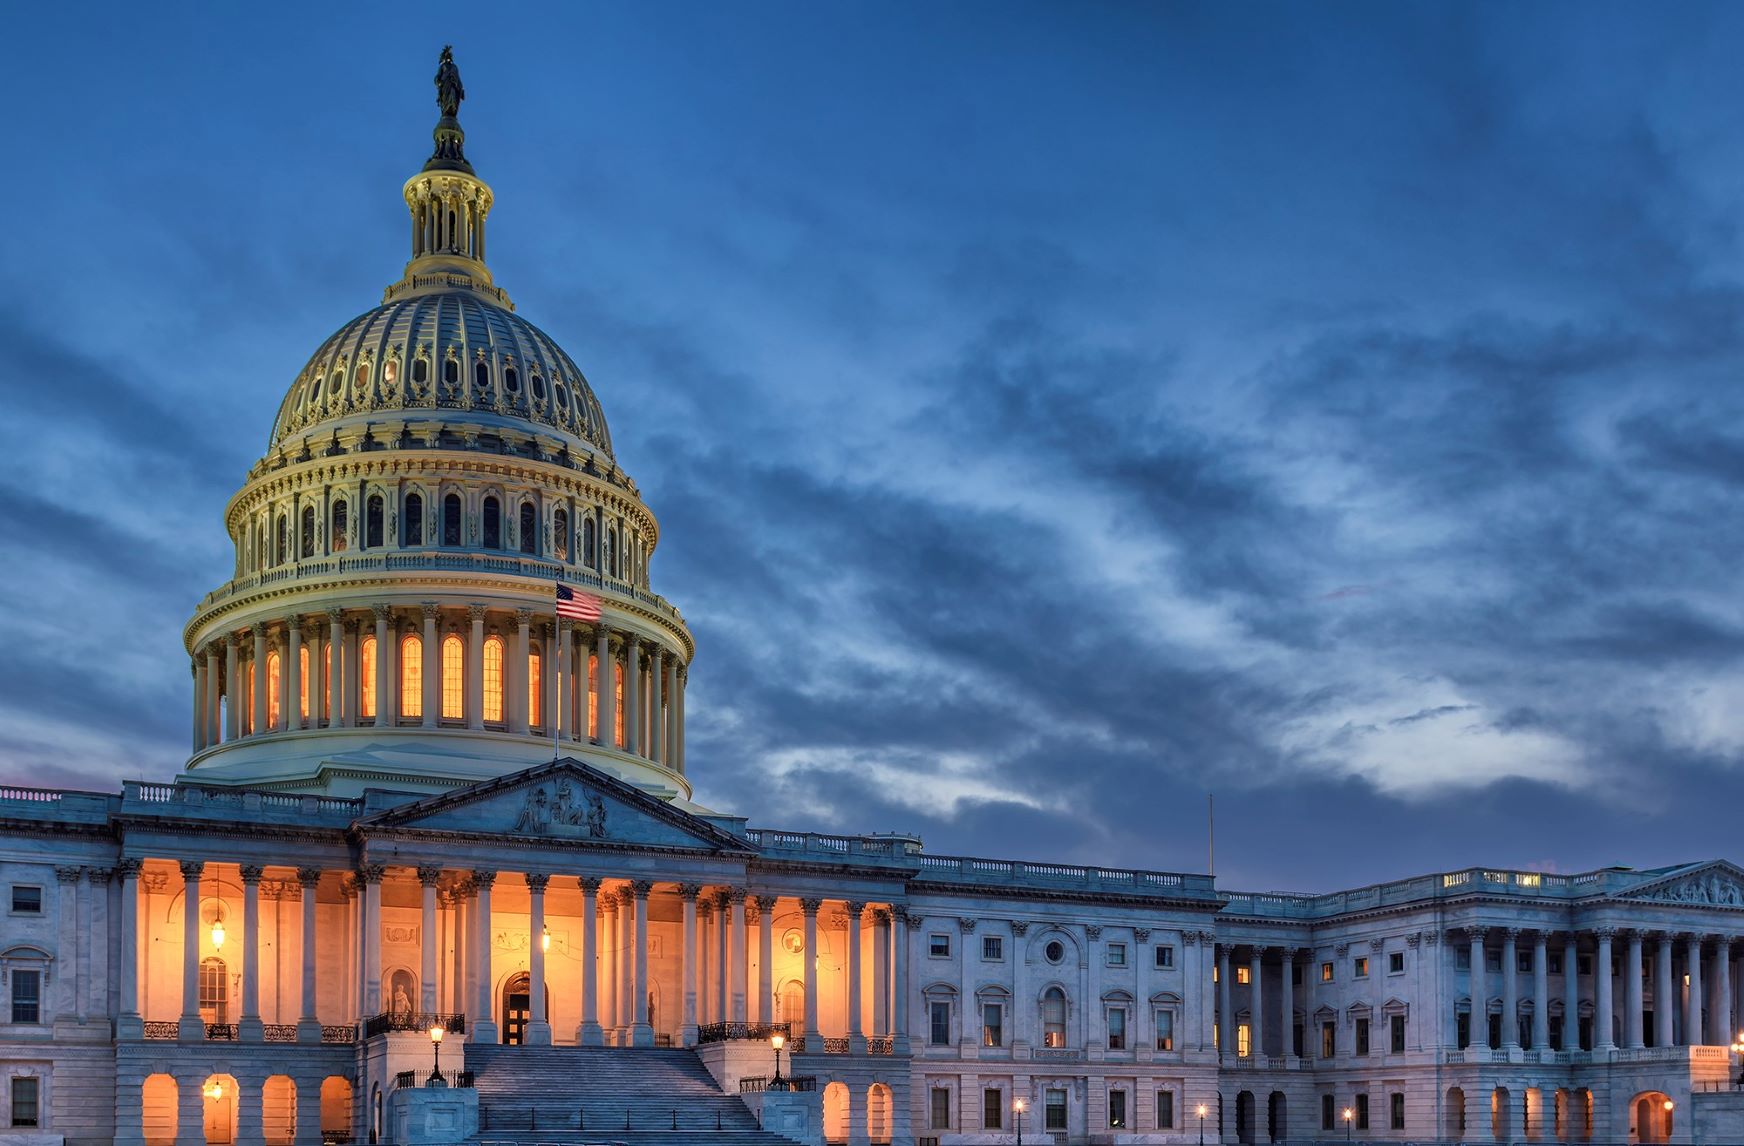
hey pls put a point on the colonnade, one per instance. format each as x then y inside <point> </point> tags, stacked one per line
<point>433,666</point>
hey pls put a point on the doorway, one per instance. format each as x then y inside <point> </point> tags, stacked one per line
<point>518,1008</point>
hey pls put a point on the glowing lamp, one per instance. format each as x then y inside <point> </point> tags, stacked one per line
<point>777,1040</point>
<point>1201,1110</point>
<point>217,934</point>
<point>1017,1104</point>
<point>436,1033</point>
<point>545,940</point>
<point>215,1091</point>
<point>1668,1105</point>
<point>1347,1114</point>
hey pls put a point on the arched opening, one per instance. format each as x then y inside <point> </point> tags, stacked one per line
<point>517,1007</point>
<point>308,531</point>
<point>412,532</point>
<point>1559,1115</point>
<point>274,669</point>
<point>372,522</point>
<point>511,381</point>
<point>1651,1117</point>
<point>560,535</point>
<point>1244,1116</point>
<point>878,1113</point>
<point>535,688</point>
<point>609,551</point>
<point>493,523</point>
<point>1053,1017</point>
<point>1583,1115</point>
<point>158,1098</point>
<point>480,370</point>
<point>341,518</point>
<point>335,1107</point>
<point>1501,1114</point>
<point>411,677</point>
<point>835,1112</point>
<point>366,678</point>
<point>402,991</point>
<point>529,526</point>
<point>793,1005</point>
<point>282,541</point>
<point>218,1096</point>
<point>493,679</point>
<point>451,372</point>
<point>453,678</point>
<point>618,704</point>
<point>451,519</point>
<point>1277,1117</point>
<point>303,682</point>
<point>278,1110</point>
<point>588,544</point>
<point>1455,1113</point>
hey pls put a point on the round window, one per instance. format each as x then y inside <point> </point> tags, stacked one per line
<point>1055,950</point>
<point>793,940</point>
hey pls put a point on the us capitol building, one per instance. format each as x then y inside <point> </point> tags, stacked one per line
<point>417,799</point>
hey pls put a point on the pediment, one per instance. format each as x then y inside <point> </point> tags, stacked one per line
<point>1715,884</point>
<point>564,801</point>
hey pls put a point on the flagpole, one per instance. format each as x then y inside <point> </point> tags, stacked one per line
<point>556,655</point>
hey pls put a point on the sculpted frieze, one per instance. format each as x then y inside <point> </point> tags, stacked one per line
<point>556,809</point>
<point>1707,887</point>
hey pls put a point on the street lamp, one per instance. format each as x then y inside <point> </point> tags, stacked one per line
<point>1201,1124</point>
<point>1017,1108</point>
<point>436,1079</point>
<point>1348,1114</point>
<point>777,1040</point>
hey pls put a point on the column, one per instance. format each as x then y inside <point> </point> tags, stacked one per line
<point>191,1027</point>
<point>588,1034</point>
<point>214,690</point>
<point>723,959</point>
<point>1664,995</point>
<point>656,705</point>
<point>1510,989</point>
<point>84,929</point>
<point>538,1027</point>
<point>339,711</point>
<point>317,675</point>
<point>190,1104</point>
<point>250,1029</point>
<point>260,697</point>
<point>609,965</point>
<point>899,980</point>
<point>705,914</point>
<point>1720,1030</point>
<point>632,739</point>
<point>1541,990</point>
<point>678,680</point>
<point>814,1038</point>
<point>628,956</point>
<point>371,876</point>
<point>1634,1018</point>
<point>1256,1003</point>
<point>232,687</point>
<point>1287,1006</point>
<point>482,1021</point>
<point>856,994</point>
<point>1603,1036</point>
<point>602,684</point>
<point>765,958</point>
<point>250,1130</point>
<point>1692,1014</point>
<point>736,953</point>
<point>308,1025</point>
<point>428,938</point>
<point>691,973</point>
<point>1225,1028</point>
<point>431,702</point>
<point>642,1035</point>
<point>475,668</point>
<point>520,719</point>
<point>384,695</point>
<point>199,667</point>
<point>293,673</point>
<point>129,1024</point>
<point>309,1111</point>
<point>1571,992</point>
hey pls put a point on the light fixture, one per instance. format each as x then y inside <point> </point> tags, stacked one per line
<point>217,934</point>
<point>545,940</point>
<point>215,1090</point>
<point>1668,1105</point>
<point>436,1079</point>
<point>777,1040</point>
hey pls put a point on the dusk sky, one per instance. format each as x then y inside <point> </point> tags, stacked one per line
<point>1054,413</point>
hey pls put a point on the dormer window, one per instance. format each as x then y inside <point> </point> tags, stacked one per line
<point>420,371</point>
<point>511,380</point>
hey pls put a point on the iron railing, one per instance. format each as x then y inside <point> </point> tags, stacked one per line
<point>759,1084</point>
<point>730,1032</point>
<point>412,1021</point>
<point>221,1032</point>
<point>162,1030</point>
<point>281,1032</point>
<point>339,1033</point>
<point>461,1079</point>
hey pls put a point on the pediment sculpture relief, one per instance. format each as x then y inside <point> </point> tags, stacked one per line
<point>555,808</point>
<point>1712,887</point>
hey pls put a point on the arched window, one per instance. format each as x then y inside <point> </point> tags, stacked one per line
<point>592,698</point>
<point>308,531</point>
<point>529,528</point>
<point>1053,1017</point>
<point>326,680</point>
<point>412,677</point>
<point>588,544</point>
<point>535,688</point>
<point>282,542</point>
<point>611,553</point>
<point>247,713</point>
<point>214,989</point>
<point>341,514</point>
<point>274,669</point>
<point>618,705</point>
<point>366,677</point>
<point>453,678</point>
<point>372,531</point>
<point>303,682</point>
<point>391,371</point>
<point>413,528</point>
<point>511,380</point>
<point>560,535</point>
<point>451,519</point>
<point>493,524</point>
<point>793,1004</point>
<point>451,372</point>
<point>481,375</point>
<point>420,370</point>
<point>493,679</point>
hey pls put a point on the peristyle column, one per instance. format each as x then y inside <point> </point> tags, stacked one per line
<point>589,1033</point>
<point>428,876</point>
<point>1225,1029</point>
<point>632,686</point>
<point>293,673</point>
<point>1570,992</point>
<point>736,953</point>
<point>765,905</point>
<point>308,1024</point>
<point>482,1022</point>
<point>1256,1002</point>
<point>856,993</point>
<point>519,691</point>
<point>191,1028</point>
<point>1634,1018</point>
<point>641,1035</point>
<point>260,695</point>
<point>1692,1006</point>
<point>603,691</point>
<point>1287,1005</point>
<point>656,708</point>
<point>431,701</point>
<point>538,1027</point>
<point>128,1023</point>
<point>250,1029</point>
<point>1603,1037</point>
<point>813,1037</point>
<point>1541,991</point>
<point>475,668</point>
<point>1664,996</point>
<point>692,973</point>
<point>370,874</point>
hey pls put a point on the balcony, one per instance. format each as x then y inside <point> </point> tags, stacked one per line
<point>418,1022</point>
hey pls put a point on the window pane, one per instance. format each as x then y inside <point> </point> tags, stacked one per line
<point>303,681</point>
<point>618,706</point>
<point>24,1101</point>
<point>274,667</point>
<point>493,679</point>
<point>1056,1110</point>
<point>1116,1108</point>
<point>366,677</point>
<point>27,996</point>
<point>1165,1110</point>
<point>992,1109</point>
<point>535,690</point>
<point>453,679</point>
<point>412,677</point>
<point>941,1109</point>
<point>27,900</point>
<point>592,698</point>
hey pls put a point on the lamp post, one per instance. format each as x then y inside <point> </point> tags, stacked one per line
<point>1201,1124</point>
<point>777,1041</point>
<point>1017,1109</point>
<point>436,1079</point>
<point>1348,1115</point>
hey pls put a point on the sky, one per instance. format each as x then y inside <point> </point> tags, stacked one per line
<point>1056,414</point>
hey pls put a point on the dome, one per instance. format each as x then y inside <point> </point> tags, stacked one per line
<point>447,350</point>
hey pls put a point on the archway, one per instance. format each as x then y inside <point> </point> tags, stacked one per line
<point>1277,1117</point>
<point>278,1110</point>
<point>1651,1117</point>
<point>517,1007</point>
<point>1244,1116</point>
<point>335,1106</point>
<point>1583,1114</point>
<point>158,1097</point>
<point>793,1006</point>
<point>1501,1114</point>
<point>400,991</point>
<point>1560,1121</point>
<point>1455,1128</point>
<point>218,1095</point>
<point>835,1112</point>
<point>878,1113</point>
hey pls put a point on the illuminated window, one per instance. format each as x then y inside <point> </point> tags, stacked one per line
<point>391,370</point>
<point>1241,975</point>
<point>1054,1018</point>
<point>529,528</point>
<point>1243,1040</point>
<point>366,677</point>
<point>411,677</point>
<point>340,517</point>
<point>592,698</point>
<point>372,527</point>
<point>618,722</point>
<point>451,519</point>
<point>303,682</point>
<point>327,681</point>
<point>274,668</point>
<point>453,684</point>
<point>413,531</point>
<point>308,531</point>
<point>493,523</point>
<point>493,679</point>
<point>560,535</point>
<point>535,689</point>
<point>214,991</point>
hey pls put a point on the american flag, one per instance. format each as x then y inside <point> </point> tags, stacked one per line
<point>577,606</point>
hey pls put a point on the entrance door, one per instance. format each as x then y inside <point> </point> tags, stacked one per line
<point>517,1009</point>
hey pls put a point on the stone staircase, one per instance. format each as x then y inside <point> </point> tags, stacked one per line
<point>588,1095</point>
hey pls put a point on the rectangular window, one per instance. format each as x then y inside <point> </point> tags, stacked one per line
<point>26,899</point>
<point>1054,1110</point>
<point>1493,960</point>
<point>1583,964</point>
<point>1586,1034</point>
<point>1395,962</point>
<point>992,1109</point>
<point>25,1096</point>
<point>535,691</point>
<point>1116,1109</point>
<point>1165,957</point>
<point>941,1109</point>
<point>940,1014</point>
<point>1462,958</point>
<point>1243,1036</point>
<point>1117,1028</point>
<point>1361,969</point>
<point>1362,1036</point>
<point>992,1024</point>
<point>1495,1032</point>
<point>939,945</point>
<point>1396,1038</point>
<point>1397,1119</point>
<point>1556,1033</point>
<point>1462,1030</point>
<point>1523,962</point>
<point>993,948</point>
<point>1117,954</point>
<point>1553,964</point>
<point>1362,1112</point>
<point>1241,975</point>
<point>453,678</point>
<point>1328,1039</point>
<point>1326,1112</point>
<point>1165,1030</point>
<point>27,996</point>
<point>1296,1039</point>
<point>1326,972</point>
<point>1295,974</point>
<point>1165,1110</point>
<point>593,699</point>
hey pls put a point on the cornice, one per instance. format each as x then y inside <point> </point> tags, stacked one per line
<point>1063,895</point>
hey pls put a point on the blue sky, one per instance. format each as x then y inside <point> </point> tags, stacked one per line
<point>1055,413</point>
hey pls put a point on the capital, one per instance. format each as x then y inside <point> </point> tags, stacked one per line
<point>129,867</point>
<point>589,883</point>
<point>1414,939</point>
<point>690,891</point>
<point>483,879</point>
<point>259,630</point>
<point>1092,931</point>
<point>1141,933</point>
<point>536,881</point>
<point>1019,927</point>
<point>475,613</point>
<point>1605,934</point>
<point>431,610</point>
<point>309,877</point>
<point>429,874</point>
<point>251,873</point>
<point>524,617</point>
<point>99,875</point>
<point>382,612</point>
<point>641,887</point>
<point>810,906</point>
<point>765,902</point>
<point>191,869</point>
<point>371,872</point>
<point>1189,939</point>
<point>293,625</point>
<point>1377,945</point>
<point>1511,934</point>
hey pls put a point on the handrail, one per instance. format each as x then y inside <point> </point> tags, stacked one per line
<point>412,1021</point>
<point>732,1032</point>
